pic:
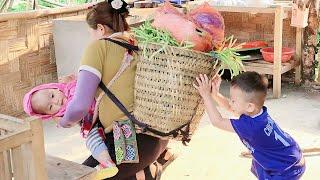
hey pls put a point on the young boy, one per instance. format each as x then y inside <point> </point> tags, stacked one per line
<point>276,155</point>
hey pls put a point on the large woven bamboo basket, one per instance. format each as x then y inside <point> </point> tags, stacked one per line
<point>164,96</point>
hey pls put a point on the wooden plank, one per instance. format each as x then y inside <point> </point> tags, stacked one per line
<point>17,158</point>
<point>298,55</point>
<point>28,162</point>
<point>260,70</point>
<point>287,67</point>
<point>263,67</point>
<point>12,119</point>
<point>5,170</point>
<point>11,124</point>
<point>259,64</point>
<point>15,139</point>
<point>60,169</point>
<point>37,149</point>
<point>278,26</point>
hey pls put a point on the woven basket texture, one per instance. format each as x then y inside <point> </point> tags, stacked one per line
<point>164,96</point>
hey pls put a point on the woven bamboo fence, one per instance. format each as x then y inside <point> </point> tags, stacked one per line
<point>27,53</point>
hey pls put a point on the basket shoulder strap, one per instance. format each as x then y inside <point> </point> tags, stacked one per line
<point>123,44</point>
<point>126,59</point>
<point>117,102</point>
<point>144,127</point>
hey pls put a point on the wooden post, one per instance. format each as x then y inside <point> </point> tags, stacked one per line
<point>298,56</point>
<point>17,159</point>
<point>5,165</point>
<point>38,152</point>
<point>278,25</point>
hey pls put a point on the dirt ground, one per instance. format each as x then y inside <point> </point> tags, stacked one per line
<point>212,153</point>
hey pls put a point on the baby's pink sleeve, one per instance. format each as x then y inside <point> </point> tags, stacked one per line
<point>86,87</point>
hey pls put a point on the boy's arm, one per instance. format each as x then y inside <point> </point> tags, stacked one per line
<point>215,116</point>
<point>219,98</point>
<point>224,103</point>
<point>204,88</point>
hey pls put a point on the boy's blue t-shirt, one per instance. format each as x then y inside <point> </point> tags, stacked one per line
<point>272,148</point>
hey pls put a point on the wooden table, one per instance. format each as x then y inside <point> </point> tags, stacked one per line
<point>280,11</point>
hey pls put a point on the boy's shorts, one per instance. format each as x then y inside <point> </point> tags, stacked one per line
<point>294,173</point>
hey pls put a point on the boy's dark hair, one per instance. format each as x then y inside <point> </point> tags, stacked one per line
<point>252,83</point>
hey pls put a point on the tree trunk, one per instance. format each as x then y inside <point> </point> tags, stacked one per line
<point>318,78</point>
<point>309,51</point>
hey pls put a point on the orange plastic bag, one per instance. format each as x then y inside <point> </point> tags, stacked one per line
<point>210,20</point>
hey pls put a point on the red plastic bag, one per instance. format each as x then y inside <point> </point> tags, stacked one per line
<point>168,8</point>
<point>183,30</point>
<point>169,19</point>
<point>210,20</point>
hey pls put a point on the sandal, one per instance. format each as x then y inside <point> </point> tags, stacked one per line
<point>148,173</point>
<point>106,172</point>
<point>166,162</point>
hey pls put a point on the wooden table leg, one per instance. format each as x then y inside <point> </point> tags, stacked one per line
<point>278,26</point>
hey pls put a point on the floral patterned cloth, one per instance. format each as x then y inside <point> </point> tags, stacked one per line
<point>125,142</point>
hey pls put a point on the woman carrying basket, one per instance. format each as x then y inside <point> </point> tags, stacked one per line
<point>103,62</point>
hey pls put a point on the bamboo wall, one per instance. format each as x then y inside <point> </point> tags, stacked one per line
<point>27,54</point>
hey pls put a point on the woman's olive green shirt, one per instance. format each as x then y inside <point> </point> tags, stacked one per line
<point>104,58</point>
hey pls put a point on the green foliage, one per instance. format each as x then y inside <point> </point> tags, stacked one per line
<point>21,6</point>
<point>45,4</point>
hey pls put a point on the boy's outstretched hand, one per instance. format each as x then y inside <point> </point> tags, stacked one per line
<point>204,85</point>
<point>207,88</point>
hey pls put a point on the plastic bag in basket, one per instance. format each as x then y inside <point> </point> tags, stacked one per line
<point>210,20</point>
<point>182,29</point>
<point>167,8</point>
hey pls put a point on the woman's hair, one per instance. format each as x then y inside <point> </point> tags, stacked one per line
<point>103,13</point>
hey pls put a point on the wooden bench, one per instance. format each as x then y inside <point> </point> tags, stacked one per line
<point>22,154</point>
<point>61,169</point>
